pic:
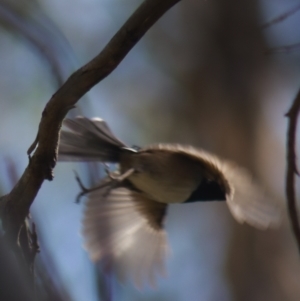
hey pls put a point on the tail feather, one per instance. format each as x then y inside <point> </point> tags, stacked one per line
<point>89,140</point>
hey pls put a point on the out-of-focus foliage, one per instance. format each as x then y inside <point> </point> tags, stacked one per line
<point>200,76</point>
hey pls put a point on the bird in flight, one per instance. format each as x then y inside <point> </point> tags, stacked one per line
<point>123,222</point>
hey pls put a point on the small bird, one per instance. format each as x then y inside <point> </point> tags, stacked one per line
<point>123,223</point>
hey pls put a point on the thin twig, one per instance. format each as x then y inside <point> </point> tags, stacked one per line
<point>284,49</point>
<point>281,17</point>
<point>292,170</point>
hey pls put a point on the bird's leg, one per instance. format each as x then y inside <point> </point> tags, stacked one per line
<point>115,179</point>
<point>85,190</point>
<point>106,168</point>
<point>122,177</point>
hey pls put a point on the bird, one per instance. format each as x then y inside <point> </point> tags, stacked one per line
<point>123,223</point>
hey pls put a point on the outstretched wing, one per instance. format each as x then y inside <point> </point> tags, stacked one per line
<point>245,199</point>
<point>124,229</point>
<point>88,140</point>
<point>248,202</point>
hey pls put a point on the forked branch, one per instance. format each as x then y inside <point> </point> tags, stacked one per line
<point>16,204</point>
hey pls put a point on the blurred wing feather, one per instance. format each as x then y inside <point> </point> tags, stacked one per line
<point>125,229</point>
<point>248,202</point>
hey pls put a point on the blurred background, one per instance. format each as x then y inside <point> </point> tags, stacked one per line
<point>203,75</point>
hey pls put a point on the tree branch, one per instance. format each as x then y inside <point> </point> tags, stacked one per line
<point>281,17</point>
<point>40,167</point>
<point>292,167</point>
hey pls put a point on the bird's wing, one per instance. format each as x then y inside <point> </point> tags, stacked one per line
<point>124,229</point>
<point>88,140</point>
<point>248,202</point>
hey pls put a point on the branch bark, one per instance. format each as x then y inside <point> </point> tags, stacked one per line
<point>292,167</point>
<point>17,203</point>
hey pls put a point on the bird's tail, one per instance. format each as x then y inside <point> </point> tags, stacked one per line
<point>89,140</point>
